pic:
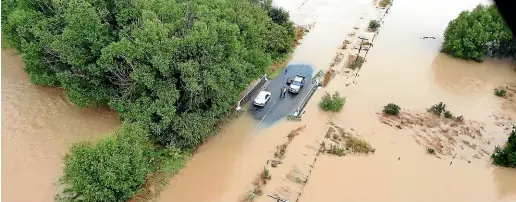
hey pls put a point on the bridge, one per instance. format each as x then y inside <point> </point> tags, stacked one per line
<point>277,107</point>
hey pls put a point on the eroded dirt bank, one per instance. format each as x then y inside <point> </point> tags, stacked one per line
<point>38,126</point>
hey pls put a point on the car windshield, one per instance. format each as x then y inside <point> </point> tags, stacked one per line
<point>297,83</point>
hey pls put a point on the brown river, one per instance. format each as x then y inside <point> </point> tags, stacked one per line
<point>38,124</point>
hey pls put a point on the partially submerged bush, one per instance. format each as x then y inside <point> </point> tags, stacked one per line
<point>374,25</point>
<point>265,175</point>
<point>250,197</point>
<point>440,109</point>
<point>345,44</point>
<point>437,109</point>
<point>459,118</point>
<point>358,145</point>
<point>328,76</point>
<point>336,150</point>
<point>447,114</point>
<point>333,102</point>
<point>280,153</point>
<point>391,109</point>
<point>355,62</point>
<point>500,92</point>
<point>385,3</point>
<point>506,156</point>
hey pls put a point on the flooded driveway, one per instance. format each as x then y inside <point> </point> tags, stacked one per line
<point>277,107</point>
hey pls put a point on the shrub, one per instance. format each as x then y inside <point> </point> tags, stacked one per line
<point>385,3</point>
<point>374,25</point>
<point>506,156</point>
<point>355,62</point>
<point>333,102</point>
<point>391,109</point>
<point>358,145</point>
<point>430,151</point>
<point>336,150</point>
<point>447,114</point>
<point>111,169</point>
<point>258,191</point>
<point>459,118</point>
<point>265,175</point>
<point>250,196</point>
<point>437,109</point>
<point>500,92</point>
<point>328,76</point>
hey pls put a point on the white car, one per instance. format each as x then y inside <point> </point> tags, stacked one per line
<point>262,98</point>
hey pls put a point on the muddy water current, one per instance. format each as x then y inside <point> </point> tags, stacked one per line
<point>38,126</point>
<point>400,68</point>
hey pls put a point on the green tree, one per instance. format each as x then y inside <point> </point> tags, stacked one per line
<point>478,33</point>
<point>506,156</point>
<point>110,169</point>
<point>173,66</point>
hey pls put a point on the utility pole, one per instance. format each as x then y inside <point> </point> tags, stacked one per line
<point>359,49</point>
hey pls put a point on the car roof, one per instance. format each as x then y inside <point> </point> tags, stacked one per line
<point>298,79</point>
<point>263,93</point>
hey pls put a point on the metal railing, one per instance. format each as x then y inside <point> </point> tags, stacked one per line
<point>251,92</point>
<point>307,97</point>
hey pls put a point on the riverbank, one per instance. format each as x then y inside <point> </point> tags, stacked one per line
<point>38,126</point>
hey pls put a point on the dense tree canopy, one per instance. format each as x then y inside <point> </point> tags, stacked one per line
<point>175,66</point>
<point>481,32</point>
<point>110,169</point>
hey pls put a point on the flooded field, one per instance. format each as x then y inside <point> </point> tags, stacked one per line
<point>400,68</point>
<point>38,126</point>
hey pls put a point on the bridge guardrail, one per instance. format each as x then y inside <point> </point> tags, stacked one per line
<point>316,82</point>
<point>251,92</point>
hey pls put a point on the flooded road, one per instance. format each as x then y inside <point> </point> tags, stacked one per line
<point>400,68</point>
<point>38,126</point>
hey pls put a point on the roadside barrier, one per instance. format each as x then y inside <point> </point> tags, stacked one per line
<point>316,82</point>
<point>251,92</point>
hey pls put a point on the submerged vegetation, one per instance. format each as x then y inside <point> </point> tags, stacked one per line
<point>478,33</point>
<point>333,103</point>
<point>385,3</point>
<point>506,156</point>
<point>500,92</point>
<point>391,109</point>
<point>374,25</point>
<point>162,65</point>
<point>355,62</point>
<point>343,143</point>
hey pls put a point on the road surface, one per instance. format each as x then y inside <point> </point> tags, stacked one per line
<point>277,107</point>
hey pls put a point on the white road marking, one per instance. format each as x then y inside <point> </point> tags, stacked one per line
<point>270,108</point>
<point>304,65</point>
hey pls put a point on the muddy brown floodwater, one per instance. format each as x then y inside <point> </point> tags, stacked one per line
<point>38,126</point>
<point>400,68</point>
